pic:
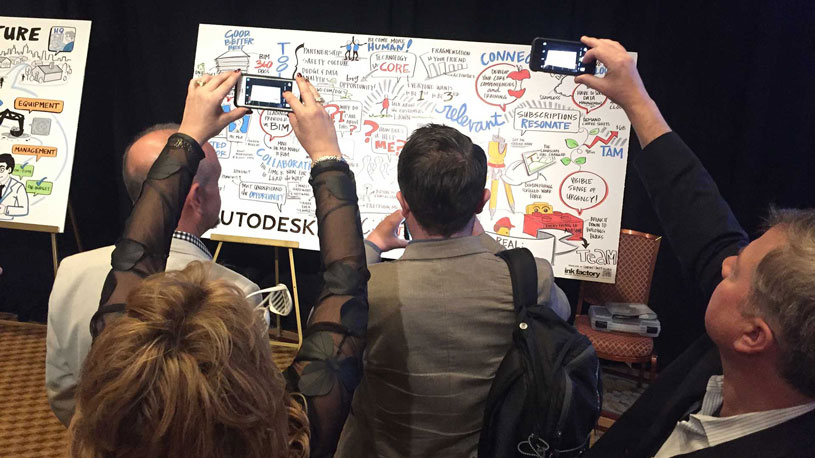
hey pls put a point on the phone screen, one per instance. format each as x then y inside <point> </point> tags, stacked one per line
<point>557,56</point>
<point>264,93</point>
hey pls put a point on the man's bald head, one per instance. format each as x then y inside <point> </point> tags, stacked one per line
<point>140,155</point>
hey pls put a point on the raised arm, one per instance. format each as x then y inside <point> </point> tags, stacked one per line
<point>328,367</point>
<point>145,243</point>
<point>696,219</point>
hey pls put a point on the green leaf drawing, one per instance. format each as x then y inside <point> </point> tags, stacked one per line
<point>580,160</point>
<point>572,143</point>
<point>566,161</point>
<point>594,131</point>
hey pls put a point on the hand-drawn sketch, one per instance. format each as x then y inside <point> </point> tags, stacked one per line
<point>41,71</point>
<point>554,149</point>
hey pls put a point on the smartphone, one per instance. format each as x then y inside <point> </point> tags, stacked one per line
<point>264,92</point>
<point>405,231</point>
<point>559,56</point>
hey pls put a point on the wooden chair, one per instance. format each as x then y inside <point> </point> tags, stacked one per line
<point>636,258</point>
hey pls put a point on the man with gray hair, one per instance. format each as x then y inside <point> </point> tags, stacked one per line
<point>75,295</point>
<point>747,387</point>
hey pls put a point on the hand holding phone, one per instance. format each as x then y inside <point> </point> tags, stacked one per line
<point>560,56</point>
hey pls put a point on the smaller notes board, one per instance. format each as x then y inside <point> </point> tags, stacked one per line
<point>42,67</point>
<point>556,150</point>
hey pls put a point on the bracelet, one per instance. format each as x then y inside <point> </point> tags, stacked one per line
<point>327,158</point>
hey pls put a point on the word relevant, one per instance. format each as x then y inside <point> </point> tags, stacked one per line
<point>459,116</point>
<point>269,222</point>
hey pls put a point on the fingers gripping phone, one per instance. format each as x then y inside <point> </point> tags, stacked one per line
<point>560,56</point>
<point>264,92</point>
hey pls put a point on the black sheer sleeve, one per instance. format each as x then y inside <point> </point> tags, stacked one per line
<point>328,367</point>
<point>145,243</point>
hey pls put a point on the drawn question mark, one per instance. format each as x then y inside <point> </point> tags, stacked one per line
<point>374,128</point>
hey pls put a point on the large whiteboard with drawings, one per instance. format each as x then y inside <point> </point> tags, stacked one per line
<point>556,150</point>
<point>42,66</point>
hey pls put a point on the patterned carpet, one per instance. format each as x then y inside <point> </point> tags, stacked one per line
<point>619,393</point>
<point>27,426</point>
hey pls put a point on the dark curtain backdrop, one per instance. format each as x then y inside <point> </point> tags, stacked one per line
<point>733,78</point>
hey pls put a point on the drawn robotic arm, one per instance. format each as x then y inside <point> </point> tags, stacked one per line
<point>14,116</point>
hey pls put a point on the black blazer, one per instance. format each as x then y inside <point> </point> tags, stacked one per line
<point>703,231</point>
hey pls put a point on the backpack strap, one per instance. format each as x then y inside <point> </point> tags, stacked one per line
<point>524,274</point>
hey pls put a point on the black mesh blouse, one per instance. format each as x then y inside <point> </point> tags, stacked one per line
<point>329,365</point>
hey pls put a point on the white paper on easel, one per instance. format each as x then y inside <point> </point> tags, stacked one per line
<point>556,149</point>
<point>42,68</point>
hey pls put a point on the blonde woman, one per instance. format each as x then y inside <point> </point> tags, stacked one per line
<point>180,365</point>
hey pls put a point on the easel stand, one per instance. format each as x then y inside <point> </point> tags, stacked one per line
<point>276,244</point>
<point>54,230</point>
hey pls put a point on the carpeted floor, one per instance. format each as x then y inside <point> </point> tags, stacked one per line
<point>27,426</point>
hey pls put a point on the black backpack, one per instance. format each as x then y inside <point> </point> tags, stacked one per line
<point>547,393</point>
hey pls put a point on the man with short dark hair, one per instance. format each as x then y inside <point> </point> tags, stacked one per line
<point>13,197</point>
<point>78,285</point>
<point>747,388</point>
<point>441,317</point>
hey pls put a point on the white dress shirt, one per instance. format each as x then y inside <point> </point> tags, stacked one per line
<point>75,298</point>
<point>703,429</point>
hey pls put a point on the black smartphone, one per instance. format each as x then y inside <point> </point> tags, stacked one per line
<point>559,56</point>
<point>264,92</point>
<point>405,231</point>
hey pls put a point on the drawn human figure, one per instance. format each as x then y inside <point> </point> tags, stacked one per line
<point>386,103</point>
<point>496,152</point>
<point>69,41</point>
<point>2,80</point>
<point>356,48</point>
<point>348,49</point>
<point>13,198</point>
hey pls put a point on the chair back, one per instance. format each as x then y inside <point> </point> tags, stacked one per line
<point>636,258</point>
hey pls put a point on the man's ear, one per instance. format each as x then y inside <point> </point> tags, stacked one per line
<point>195,197</point>
<point>403,204</point>
<point>485,197</point>
<point>756,336</point>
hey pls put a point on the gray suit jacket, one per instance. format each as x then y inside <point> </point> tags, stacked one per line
<point>440,322</point>
<point>75,298</point>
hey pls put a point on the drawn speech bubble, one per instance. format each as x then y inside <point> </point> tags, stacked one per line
<point>587,98</point>
<point>388,139</point>
<point>546,120</point>
<point>46,105</point>
<point>263,192</point>
<point>347,115</point>
<point>275,124</point>
<point>35,150</point>
<point>499,85</point>
<point>23,170</point>
<point>39,187</point>
<point>390,64</point>
<point>583,190</point>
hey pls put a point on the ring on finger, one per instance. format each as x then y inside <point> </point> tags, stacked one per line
<point>200,82</point>
<point>320,100</point>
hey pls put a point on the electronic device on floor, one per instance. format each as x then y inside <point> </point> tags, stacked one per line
<point>602,319</point>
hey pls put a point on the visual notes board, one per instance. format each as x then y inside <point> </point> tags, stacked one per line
<point>42,68</point>
<point>556,150</point>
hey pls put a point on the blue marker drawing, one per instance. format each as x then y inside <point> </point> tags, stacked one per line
<point>39,183</point>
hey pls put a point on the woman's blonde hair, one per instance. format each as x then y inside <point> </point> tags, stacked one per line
<point>187,371</point>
